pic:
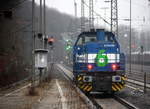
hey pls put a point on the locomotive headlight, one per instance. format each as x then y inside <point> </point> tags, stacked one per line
<point>116,79</point>
<point>87,78</point>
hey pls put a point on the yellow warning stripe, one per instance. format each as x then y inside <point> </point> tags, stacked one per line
<point>85,88</point>
<point>89,89</point>
<point>79,78</point>
<point>123,78</point>
<point>114,88</point>
<point>120,85</point>
<point>117,86</point>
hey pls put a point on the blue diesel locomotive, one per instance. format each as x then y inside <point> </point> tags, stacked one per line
<point>98,64</point>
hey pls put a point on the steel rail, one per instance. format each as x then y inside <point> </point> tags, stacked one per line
<point>92,104</point>
<point>125,103</point>
<point>93,100</point>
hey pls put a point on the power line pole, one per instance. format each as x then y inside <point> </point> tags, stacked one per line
<point>114,17</point>
<point>82,16</point>
<point>130,37</point>
<point>44,26</point>
<point>75,20</point>
<point>91,14</point>
<point>41,18</point>
<point>41,32</point>
<point>44,18</point>
<point>75,9</point>
<point>33,44</point>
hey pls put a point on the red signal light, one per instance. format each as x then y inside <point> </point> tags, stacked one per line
<point>51,40</point>
<point>114,67</point>
<point>89,66</point>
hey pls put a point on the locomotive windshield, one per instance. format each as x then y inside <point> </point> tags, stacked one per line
<point>84,38</point>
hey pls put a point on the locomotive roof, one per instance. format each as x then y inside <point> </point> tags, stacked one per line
<point>93,33</point>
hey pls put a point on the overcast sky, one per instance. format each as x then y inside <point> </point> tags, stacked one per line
<point>140,9</point>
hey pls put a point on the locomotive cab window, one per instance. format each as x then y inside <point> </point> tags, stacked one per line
<point>86,38</point>
<point>79,42</point>
<point>90,38</point>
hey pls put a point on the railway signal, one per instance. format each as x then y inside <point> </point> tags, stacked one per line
<point>51,41</point>
<point>68,46</point>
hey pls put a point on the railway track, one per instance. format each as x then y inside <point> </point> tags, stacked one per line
<point>137,75</point>
<point>138,67</point>
<point>113,102</point>
<point>137,80</point>
<point>137,85</point>
<point>96,101</point>
<point>69,77</point>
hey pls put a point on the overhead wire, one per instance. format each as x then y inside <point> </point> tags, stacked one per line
<point>97,14</point>
<point>135,3</point>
